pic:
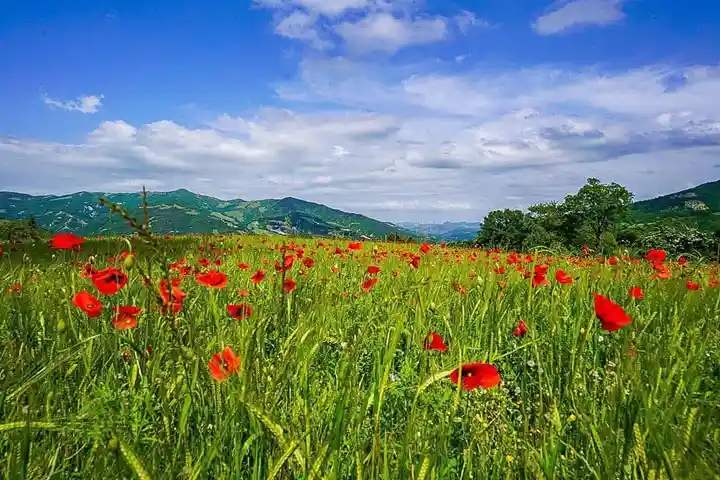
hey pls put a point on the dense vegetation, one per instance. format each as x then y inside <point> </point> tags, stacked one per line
<point>176,359</point>
<point>603,217</point>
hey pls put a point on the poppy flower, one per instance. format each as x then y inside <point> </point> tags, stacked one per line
<point>611,315</point>
<point>354,246</point>
<point>434,341</point>
<point>415,262</point>
<point>563,278</point>
<point>368,284</point>
<point>499,270</point>
<point>473,375</point>
<point>109,281</point>
<point>612,261</point>
<point>521,329</point>
<point>692,285</point>
<point>172,297</point>
<point>636,292</point>
<point>443,244</point>
<point>243,266</point>
<point>289,285</point>
<point>656,256</point>
<point>682,261</point>
<point>223,365</point>
<point>204,262</point>
<point>373,270</point>
<point>539,276</point>
<point>213,279</point>
<point>258,277</point>
<point>239,311</point>
<point>125,317</point>
<point>424,248</point>
<point>66,241</point>
<point>308,262</point>
<point>88,303</point>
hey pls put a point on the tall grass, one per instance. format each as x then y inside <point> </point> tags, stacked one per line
<point>335,382</point>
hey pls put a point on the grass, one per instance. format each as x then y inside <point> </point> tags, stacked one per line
<point>335,382</point>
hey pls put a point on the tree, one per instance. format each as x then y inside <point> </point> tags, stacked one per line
<point>506,229</point>
<point>599,208</point>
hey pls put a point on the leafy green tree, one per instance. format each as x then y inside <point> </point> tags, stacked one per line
<point>506,229</point>
<point>599,208</point>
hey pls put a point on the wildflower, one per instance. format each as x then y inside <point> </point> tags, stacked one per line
<point>611,315</point>
<point>243,266</point>
<point>415,262</point>
<point>66,241</point>
<point>562,277</point>
<point>213,279</point>
<point>373,270</point>
<point>656,256</point>
<point>308,262</point>
<point>521,329</point>
<point>88,304</point>
<point>125,317</point>
<point>368,284</point>
<point>109,281</point>
<point>434,341</point>
<point>172,297</point>
<point>223,365</point>
<point>539,276</point>
<point>424,248</point>
<point>473,375</point>
<point>636,292</point>
<point>354,246</point>
<point>692,285</point>
<point>239,311</point>
<point>258,277</point>
<point>289,285</point>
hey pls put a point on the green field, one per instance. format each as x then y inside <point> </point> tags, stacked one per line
<point>334,379</point>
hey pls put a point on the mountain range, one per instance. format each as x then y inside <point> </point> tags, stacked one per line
<point>182,211</point>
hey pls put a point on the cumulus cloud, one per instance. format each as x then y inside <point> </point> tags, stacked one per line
<point>385,32</point>
<point>83,103</point>
<point>567,14</point>
<point>422,146</point>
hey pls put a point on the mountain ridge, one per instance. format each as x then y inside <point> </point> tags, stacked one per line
<point>183,211</point>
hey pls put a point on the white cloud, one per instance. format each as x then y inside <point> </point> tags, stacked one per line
<point>299,25</point>
<point>398,146</point>
<point>84,103</point>
<point>323,7</point>
<point>385,32</point>
<point>466,20</point>
<point>566,14</point>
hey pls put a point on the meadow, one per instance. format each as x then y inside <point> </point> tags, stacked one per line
<point>354,360</point>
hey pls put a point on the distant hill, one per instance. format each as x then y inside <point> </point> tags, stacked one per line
<point>182,211</point>
<point>448,231</point>
<point>699,204</point>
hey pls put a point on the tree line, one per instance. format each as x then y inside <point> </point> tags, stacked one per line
<point>599,216</point>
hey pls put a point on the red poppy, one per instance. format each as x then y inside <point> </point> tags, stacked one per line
<point>239,311</point>
<point>476,375</point>
<point>308,262</point>
<point>373,270</point>
<point>109,281</point>
<point>563,277</point>
<point>656,256</point>
<point>66,241</point>
<point>88,304</point>
<point>289,285</point>
<point>258,277</point>
<point>354,246</point>
<point>213,278</point>
<point>125,317</point>
<point>692,285</point>
<point>539,276</point>
<point>204,262</point>
<point>636,292</point>
<point>499,270</point>
<point>612,261</point>
<point>424,248</point>
<point>368,284</point>
<point>175,303</point>
<point>415,262</point>
<point>682,261</point>
<point>443,244</point>
<point>611,315</point>
<point>434,341</point>
<point>223,365</point>
<point>521,329</point>
<point>243,266</point>
<point>714,283</point>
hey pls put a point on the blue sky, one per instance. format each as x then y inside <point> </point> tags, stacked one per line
<point>405,110</point>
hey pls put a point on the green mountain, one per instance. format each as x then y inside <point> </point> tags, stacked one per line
<point>699,205</point>
<point>182,211</point>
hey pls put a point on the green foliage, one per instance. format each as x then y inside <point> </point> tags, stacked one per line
<point>12,230</point>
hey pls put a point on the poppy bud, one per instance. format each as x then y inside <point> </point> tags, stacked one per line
<point>61,326</point>
<point>113,443</point>
<point>129,262</point>
<point>432,307</point>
